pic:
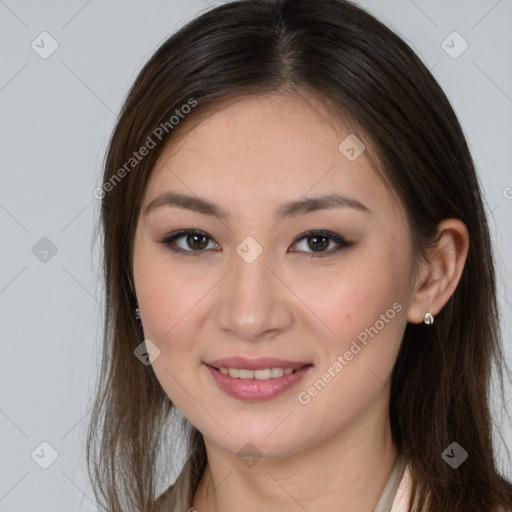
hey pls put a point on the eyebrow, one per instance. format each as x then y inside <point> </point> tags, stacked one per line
<point>290,209</point>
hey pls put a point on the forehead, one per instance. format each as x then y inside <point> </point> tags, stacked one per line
<point>268,149</point>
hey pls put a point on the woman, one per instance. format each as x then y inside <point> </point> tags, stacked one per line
<point>293,225</point>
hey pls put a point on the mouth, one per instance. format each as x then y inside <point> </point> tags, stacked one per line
<point>275,372</point>
<point>264,383</point>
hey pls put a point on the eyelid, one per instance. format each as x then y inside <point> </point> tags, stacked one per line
<point>168,240</point>
<point>338,239</point>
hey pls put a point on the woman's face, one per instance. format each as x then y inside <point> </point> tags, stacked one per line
<point>290,248</point>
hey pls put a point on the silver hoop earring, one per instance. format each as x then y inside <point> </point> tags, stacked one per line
<point>429,319</point>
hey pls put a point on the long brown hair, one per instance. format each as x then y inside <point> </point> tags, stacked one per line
<point>341,54</point>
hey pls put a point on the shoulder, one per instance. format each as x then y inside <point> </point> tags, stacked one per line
<point>403,492</point>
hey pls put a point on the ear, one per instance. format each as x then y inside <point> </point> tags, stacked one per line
<point>439,276</point>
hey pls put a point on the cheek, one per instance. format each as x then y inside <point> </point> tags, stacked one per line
<point>352,297</point>
<point>166,292</point>
<point>364,307</point>
<point>160,295</point>
<point>364,310</point>
<point>168,301</point>
<point>169,306</point>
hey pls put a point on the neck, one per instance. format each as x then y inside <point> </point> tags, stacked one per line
<point>345,472</point>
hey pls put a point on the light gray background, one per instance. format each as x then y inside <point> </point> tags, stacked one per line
<point>56,118</point>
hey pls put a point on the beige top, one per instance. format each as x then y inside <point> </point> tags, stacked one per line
<point>396,492</point>
<point>399,495</point>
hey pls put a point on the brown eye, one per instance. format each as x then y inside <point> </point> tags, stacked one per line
<point>318,243</point>
<point>189,241</point>
<point>323,243</point>
<point>197,241</point>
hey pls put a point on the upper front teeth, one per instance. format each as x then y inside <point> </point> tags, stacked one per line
<point>267,373</point>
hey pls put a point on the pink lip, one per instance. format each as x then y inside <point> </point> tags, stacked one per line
<point>256,364</point>
<point>254,390</point>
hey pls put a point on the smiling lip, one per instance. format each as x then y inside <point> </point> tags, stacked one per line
<point>256,364</point>
<point>254,390</point>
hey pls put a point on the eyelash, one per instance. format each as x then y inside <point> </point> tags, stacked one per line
<point>342,243</point>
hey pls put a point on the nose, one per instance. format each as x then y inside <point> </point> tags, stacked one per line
<point>254,302</point>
